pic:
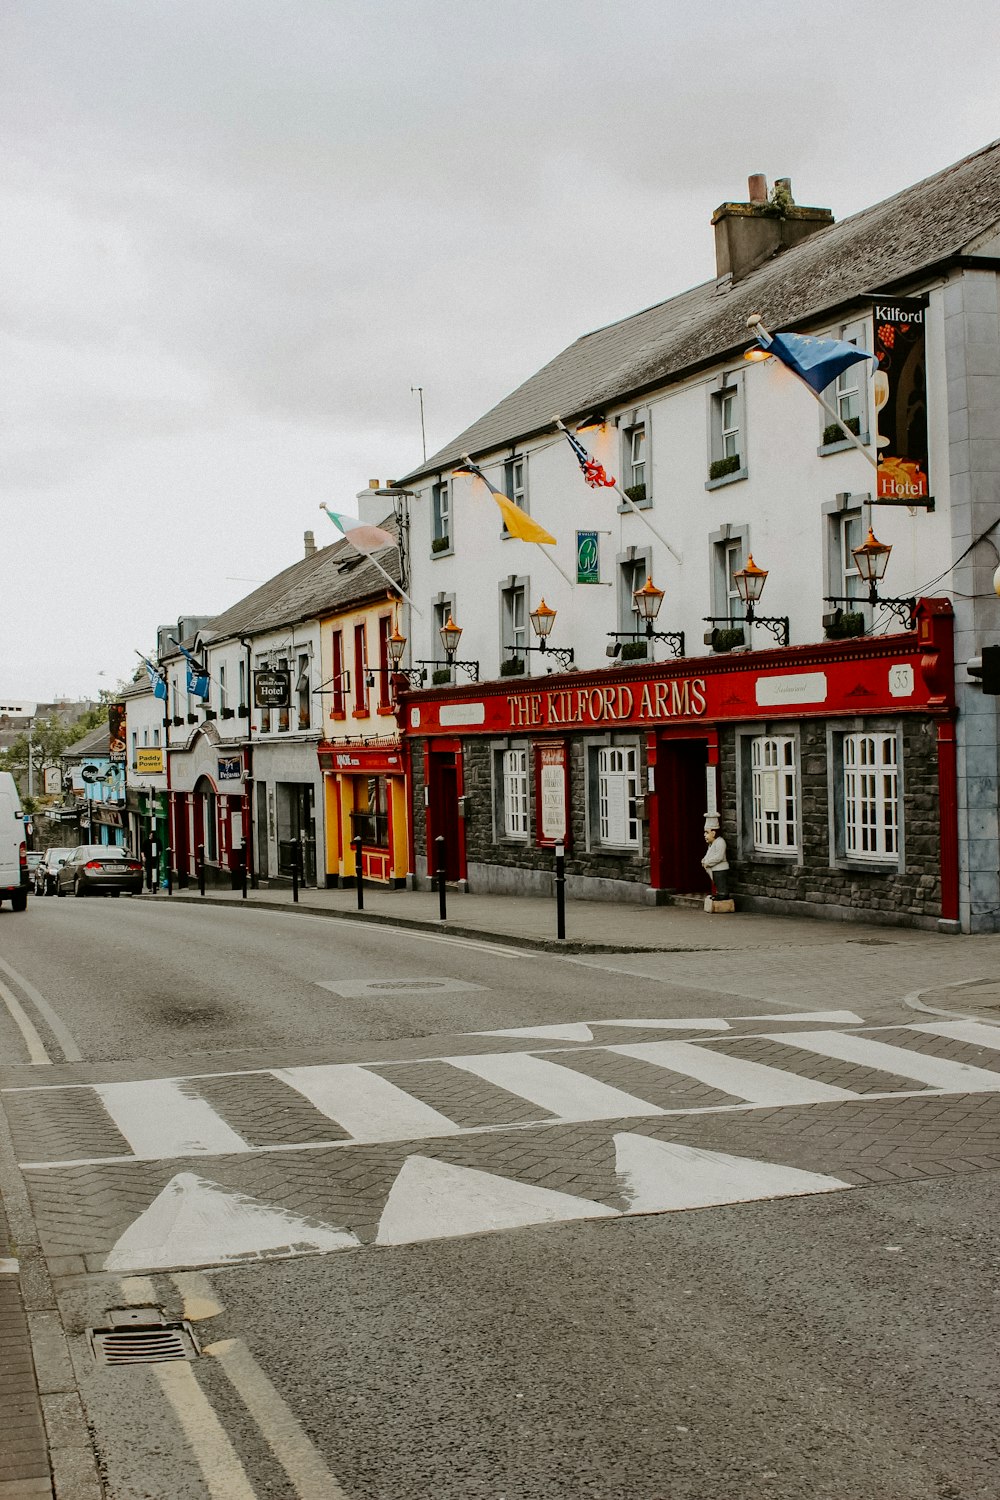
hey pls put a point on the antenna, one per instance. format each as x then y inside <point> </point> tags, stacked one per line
<point>423,435</point>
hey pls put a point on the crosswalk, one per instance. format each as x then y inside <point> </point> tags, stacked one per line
<point>337,1105</point>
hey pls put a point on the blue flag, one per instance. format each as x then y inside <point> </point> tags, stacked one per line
<point>197,678</point>
<point>816,361</point>
<point>156,680</point>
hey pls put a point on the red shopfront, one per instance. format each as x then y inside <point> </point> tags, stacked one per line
<point>830,767</point>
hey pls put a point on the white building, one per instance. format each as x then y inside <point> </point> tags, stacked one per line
<point>725,457</point>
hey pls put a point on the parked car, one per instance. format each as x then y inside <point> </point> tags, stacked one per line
<point>45,874</point>
<point>96,869</point>
<point>13,849</point>
<point>33,859</point>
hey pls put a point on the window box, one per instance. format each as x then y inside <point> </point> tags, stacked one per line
<point>440,676</point>
<point>636,493</point>
<point>832,433</point>
<point>720,468</point>
<point>841,626</point>
<point>726,640</point>
<point>244,711</point>
<point>441,544</point>
<point>514,667</point>
<point>634,651</point>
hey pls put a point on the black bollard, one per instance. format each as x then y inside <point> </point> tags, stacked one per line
<point>561,891</point>
<point>200,863</point>
<point>152,867</point>
<point>168,855</point>
<point>441,878</point>
<point>359,878</point>
<point>295,870</point>
<point>243,871</point>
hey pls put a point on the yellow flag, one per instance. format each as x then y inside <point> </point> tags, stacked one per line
<point>518,522</point>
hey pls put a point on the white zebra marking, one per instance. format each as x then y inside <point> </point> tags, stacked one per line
<point>563,1091</point>
<point>365,1104</point>
<point>752,1081</point>
<point>938,1072</point>
<point>161,1117</point>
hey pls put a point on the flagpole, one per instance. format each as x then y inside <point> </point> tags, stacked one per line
<point>755,323</point>
<point>388,578</point>
<point>541,547</point>
<point>629,502</point>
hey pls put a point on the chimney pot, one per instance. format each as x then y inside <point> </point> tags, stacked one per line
<point>310,543</point>
<point>373,484</point>
<point>757,185</point>
<point>785,184</point>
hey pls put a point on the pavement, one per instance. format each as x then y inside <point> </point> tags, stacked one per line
<point>591,926</point>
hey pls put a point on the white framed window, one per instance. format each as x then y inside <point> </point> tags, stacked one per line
<point>848,394</point>
<point>727,430</point>
<point>443,610</point>
<point>733,564</point>
<point>871,795</point>
<point>633,570</point>
<point>851,534</point>
<point>774,793</point>
<point>223,696</point>
<point>636,470</point>
<point>441,516</point>
<point>617,796</point>
<point>514,485</point>
<point>156,736</point>
<point>513,619</point>
<point>514,793</point>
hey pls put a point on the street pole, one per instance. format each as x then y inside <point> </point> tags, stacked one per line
<point>358,871</point>
<point>441,878</point>
<point>295,870</point>
<point>561,891</point>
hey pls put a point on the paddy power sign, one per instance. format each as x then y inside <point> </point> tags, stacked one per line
<point>901,401</point>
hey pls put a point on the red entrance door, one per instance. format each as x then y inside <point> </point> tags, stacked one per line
<point>682,799</point>
<point>442,783</point>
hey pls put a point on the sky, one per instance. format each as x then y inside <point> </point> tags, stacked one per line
<point>237,232</point>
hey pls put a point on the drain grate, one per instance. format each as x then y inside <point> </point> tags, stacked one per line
<point>142,1337</point>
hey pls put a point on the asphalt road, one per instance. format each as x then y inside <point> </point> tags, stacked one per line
<point>240,1075</point>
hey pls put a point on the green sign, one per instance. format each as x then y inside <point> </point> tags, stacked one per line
<point>588,559</point>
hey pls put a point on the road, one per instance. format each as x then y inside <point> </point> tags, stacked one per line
<point>451,1219</point>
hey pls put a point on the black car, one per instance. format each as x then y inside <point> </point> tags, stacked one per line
<point>99,869</point>
<point>45,875</point>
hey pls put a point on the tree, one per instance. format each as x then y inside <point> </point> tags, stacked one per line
<point>43,747</point>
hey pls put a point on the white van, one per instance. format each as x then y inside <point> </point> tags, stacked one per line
<point>13,850</point>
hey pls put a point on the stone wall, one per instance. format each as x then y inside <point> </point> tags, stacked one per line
<point>811,881</point>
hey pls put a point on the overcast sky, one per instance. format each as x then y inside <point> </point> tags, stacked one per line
<point>237,231</point>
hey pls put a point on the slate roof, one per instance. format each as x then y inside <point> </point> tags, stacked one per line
<point>94,742</point>
<point>875,250</point>
<point>335,577</point>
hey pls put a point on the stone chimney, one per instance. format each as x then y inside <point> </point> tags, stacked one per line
<point>748,234</point>
<point>310,543</point>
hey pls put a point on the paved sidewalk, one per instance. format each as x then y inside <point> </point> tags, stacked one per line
<point>591,926</point>
<point>24,1463</point>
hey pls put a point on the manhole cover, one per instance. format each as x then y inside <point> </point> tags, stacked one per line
<point>407,984</point>
<point>142,1336</point>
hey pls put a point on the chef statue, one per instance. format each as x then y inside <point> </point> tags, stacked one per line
<point>715,863</point>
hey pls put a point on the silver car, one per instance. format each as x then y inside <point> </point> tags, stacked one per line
<point>48,868</point>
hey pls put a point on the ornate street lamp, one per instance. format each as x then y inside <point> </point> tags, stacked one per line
<point>451,634</point>
<point>646,603</point>
<point>542,618</point>
<point>750,581</point>
<point>871,560</point>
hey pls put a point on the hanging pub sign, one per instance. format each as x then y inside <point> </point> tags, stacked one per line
<point>271,688</point>
<point>901,402</point>
<point>117,747</point>
<point>588,560</point>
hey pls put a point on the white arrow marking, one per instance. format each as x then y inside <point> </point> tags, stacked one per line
<point>573,1032</point>
<point>194,1222</point>
<point>658,1176</point>
<point>433,1200</point>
